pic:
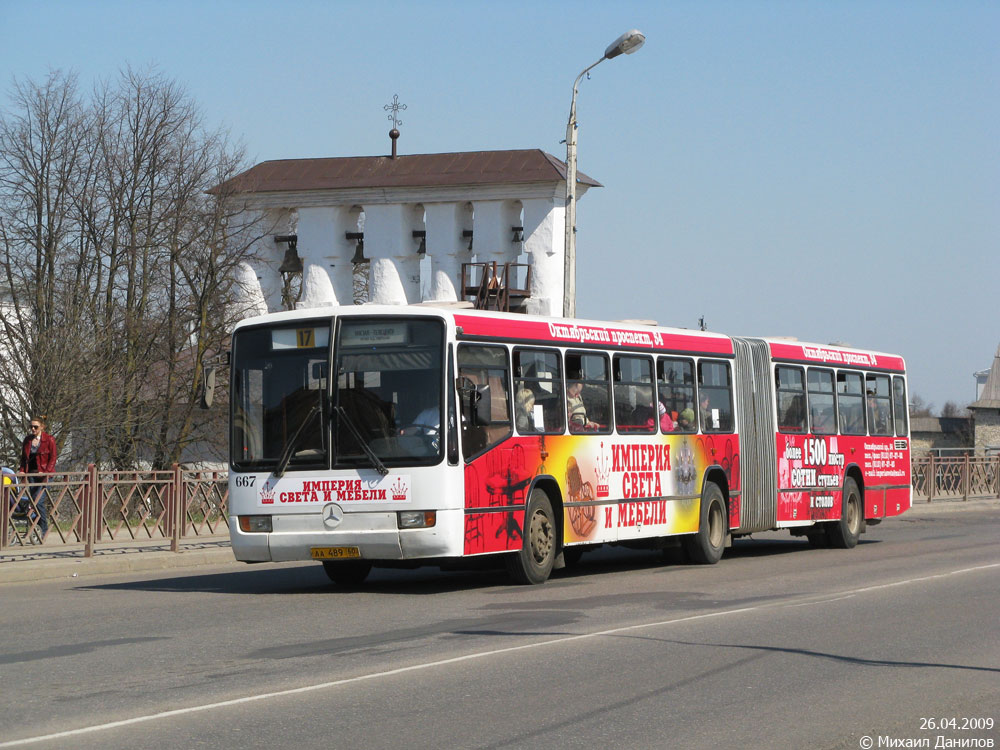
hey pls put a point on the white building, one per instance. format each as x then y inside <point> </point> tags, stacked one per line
<point>419,217</point>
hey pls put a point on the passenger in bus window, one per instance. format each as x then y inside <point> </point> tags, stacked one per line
<point>524,406</point>
<point>823,422</point>
<point>577,410</point>
<point>878,415</point>
<point>666,423</point>
<point>705,412</point>
<point>685,421</point>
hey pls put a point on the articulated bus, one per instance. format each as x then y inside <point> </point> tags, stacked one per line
<point>405,436</point>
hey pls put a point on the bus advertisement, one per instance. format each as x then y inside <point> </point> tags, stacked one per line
<point>375,435</point>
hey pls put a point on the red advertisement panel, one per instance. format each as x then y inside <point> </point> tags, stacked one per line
<point>811,472</point>
<point>612,487</point>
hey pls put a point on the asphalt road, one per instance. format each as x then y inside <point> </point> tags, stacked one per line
<point>777,646</point>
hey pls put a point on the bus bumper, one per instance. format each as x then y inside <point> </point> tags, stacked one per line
<point>376,535</point>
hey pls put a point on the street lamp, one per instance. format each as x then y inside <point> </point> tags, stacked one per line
<point>627,43</point>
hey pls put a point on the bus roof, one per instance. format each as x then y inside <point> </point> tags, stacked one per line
<point>536,329</point>
<point>835,356</point>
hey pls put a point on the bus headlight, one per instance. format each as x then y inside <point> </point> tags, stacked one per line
<point>258,524</point>
<point>417,519</point>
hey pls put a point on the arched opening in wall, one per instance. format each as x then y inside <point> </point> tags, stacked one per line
<point>360,265</point>
<point>425,268</point>
<point>520,256</point>
<point>473,276</point>
<point>290,268</point>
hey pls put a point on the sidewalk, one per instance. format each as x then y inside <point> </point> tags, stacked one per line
<point>951,505</point>
<point>37,563</point>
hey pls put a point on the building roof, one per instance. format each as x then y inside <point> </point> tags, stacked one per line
<point>944,425</point>
<point>990,396</point>
<point>415,170</point>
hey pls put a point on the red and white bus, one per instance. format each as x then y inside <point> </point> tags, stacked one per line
<point>416,435</point>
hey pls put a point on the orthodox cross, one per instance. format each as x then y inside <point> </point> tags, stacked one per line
<point>394,109</point>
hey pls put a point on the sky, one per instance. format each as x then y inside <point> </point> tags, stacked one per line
<point>828,171</point>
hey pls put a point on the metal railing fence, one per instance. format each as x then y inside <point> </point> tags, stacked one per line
<point>94,507</point>
<point>103,507</point>
<point>953,477</point>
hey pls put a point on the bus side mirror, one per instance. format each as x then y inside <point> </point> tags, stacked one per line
<point>207,388</point>
<point>483,412</point>
<point>475,401</point>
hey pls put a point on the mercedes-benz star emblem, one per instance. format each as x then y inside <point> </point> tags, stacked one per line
<point>333,514</point>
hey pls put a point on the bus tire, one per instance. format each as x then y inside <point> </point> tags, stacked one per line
<point>843,534</point>
<point>347,573</point>
<point>533,563</point>
<point>706,547</point>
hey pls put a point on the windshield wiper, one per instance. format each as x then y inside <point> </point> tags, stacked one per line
<point>286,454</point>
<point>376,461</point>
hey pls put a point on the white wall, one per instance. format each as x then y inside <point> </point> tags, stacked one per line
<point>321,219</point>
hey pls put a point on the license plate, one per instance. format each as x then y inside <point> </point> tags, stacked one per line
<point>334,553</point>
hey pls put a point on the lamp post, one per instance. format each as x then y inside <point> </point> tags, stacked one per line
<point>627,43</point>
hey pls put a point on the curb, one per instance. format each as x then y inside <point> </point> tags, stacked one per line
<point>922,507</point>
<point>112,563</point>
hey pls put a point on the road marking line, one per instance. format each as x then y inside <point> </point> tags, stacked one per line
<point>821,600</point>
<point>459,659</point>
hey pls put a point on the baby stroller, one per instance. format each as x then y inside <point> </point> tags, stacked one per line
<point>22,515</point>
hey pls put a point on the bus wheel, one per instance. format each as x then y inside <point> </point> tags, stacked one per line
<point>533,563</point>
<point>843,534</point>
<point>705,547</point>
<point>347,572</point>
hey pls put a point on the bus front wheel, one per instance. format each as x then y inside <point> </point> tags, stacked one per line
<point>705,547</point>
<point>843,534</point>
<point>533,563</point>
<point>347,572</point>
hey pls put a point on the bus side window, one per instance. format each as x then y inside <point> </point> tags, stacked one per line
<point>822,405</point>
<point>486,370</point>
<point>588,393</point>
<point>879,405</point>
<point>538,392</point>
<point>675,380</point>
<point>715,397</point>
<point>791,399</point>
<point>634,409</point>
<point>851,402</point>
<point>899,405</point>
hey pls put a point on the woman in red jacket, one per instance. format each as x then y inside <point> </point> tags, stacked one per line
<point>38,456</point>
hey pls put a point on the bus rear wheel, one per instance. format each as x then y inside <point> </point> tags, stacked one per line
<point>533,563</point>
<point>843,534</point>
<point>347,572</point>
<point>706,547</point>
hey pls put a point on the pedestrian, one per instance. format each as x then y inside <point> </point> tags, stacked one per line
<point>38,461</point>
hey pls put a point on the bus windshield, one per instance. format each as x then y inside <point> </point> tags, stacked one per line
<point>388,391</point>
<point>280,396</point>
<point>386,398</point>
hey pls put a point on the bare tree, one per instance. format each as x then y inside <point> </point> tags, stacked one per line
<point>919,408</point>
<point>42,149</point>
<point>120,266</point>
<point>951,409</point>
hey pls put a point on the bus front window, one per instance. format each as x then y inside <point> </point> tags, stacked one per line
<point>388,391</point>
<point>279,400</point>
